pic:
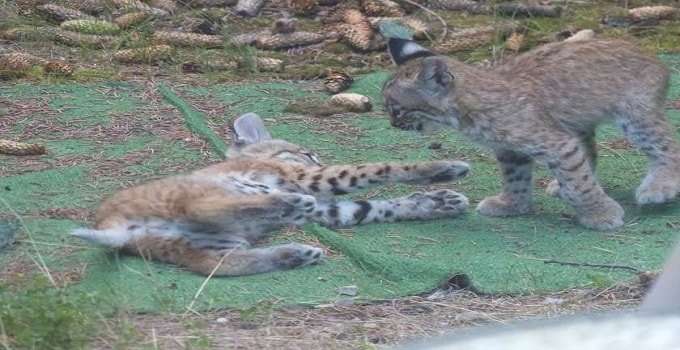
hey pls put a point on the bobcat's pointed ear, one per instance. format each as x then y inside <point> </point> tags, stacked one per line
<point>402,50</point>
<point>249,129</point>
<point>435,74</point>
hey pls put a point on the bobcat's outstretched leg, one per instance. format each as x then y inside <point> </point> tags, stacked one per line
<point>416,206</point>
<point>516,197</point>
<point>342,179</point>
<point>231,262</point>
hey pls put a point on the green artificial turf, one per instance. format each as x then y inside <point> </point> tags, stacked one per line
<point>382,260</point>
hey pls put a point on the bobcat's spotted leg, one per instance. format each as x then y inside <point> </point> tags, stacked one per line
<point>342,179</point>
<point>417,206</point>
<point>590,146</point>
<point>232,262</point>
<point>568,160</point>
<point>516,197</point>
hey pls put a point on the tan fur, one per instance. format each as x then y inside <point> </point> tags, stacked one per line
<point>544,105</point>
<point>209,219</point>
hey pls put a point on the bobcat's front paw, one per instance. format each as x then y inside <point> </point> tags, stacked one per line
<point>607,216</point>
<point>442,171</point>
<point>439,204</point>
<point>293,255</point>
<point>297,205</point>
<point>502,205</point>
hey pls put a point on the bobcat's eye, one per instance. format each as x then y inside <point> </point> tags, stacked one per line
<point>312,157</point>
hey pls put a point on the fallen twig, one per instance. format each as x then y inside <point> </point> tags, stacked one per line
<point>604,266</point>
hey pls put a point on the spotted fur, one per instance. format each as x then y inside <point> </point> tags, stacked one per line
<point>211,218</point>
<point>544,106</point>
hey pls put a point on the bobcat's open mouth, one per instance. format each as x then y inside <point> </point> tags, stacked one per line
<point>419,121</point>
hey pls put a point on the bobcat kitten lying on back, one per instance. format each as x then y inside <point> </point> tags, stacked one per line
<point>544,105</point>
<point>214,215</point>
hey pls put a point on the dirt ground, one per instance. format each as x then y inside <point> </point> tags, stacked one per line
<point>366,326</point>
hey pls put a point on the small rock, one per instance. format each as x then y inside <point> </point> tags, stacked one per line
<point>221,320</point>
<point>352,102</point>
<point>348,290</point>
<point>322,279</point>
<point>581,35</point>
<point>435,145</point>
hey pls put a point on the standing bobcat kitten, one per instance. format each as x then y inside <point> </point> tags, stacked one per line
<point>544,105</point>
<point>209,219</point>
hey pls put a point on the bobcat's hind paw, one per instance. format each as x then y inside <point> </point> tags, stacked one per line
<point>440,204</point>
<point>293,255</point>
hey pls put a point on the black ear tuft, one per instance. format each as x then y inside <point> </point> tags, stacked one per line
<point>403,50</point>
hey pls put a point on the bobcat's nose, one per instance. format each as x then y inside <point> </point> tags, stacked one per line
<point>401,124</point>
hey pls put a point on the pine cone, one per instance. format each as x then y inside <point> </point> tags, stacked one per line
<point>166,5</point>
<point>283,41</point>
<point>28,7</point>
<point>246,38</point>
<point>28,34</point>
<point>472,38</point>
<point>94,7</point>
<point>359,36</point>
<point>80,40</point>
<point>59,68</point>
<point>213,64</point>
<point>652,12</point>
<point>303,7</point>
<point>248,8</point>
<point>188,39</point>
<point>20,148</point>
<point>337,81</point>
<point>336,15</point>
<point>353,16</point>
<point>136,5</point>
<point>206,3</point>
<point>60,13</point>
<point>150,54</point>
<point>381,8</point>
<point>130,19</point>
<point>515,42</point>
<point>86,26</point>
<point>20,61</point>
<point>267,64</point>
<point>351,102</point>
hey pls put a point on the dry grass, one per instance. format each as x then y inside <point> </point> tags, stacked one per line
<point>363,326</point>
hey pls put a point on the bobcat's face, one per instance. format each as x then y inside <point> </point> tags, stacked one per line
<point>418,95</point>
<point>279,150</point>
<point>251,139</point>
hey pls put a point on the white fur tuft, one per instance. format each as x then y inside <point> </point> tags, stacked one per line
<point>110,238</point>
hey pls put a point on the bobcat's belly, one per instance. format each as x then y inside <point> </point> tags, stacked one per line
<point>247,183</point>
